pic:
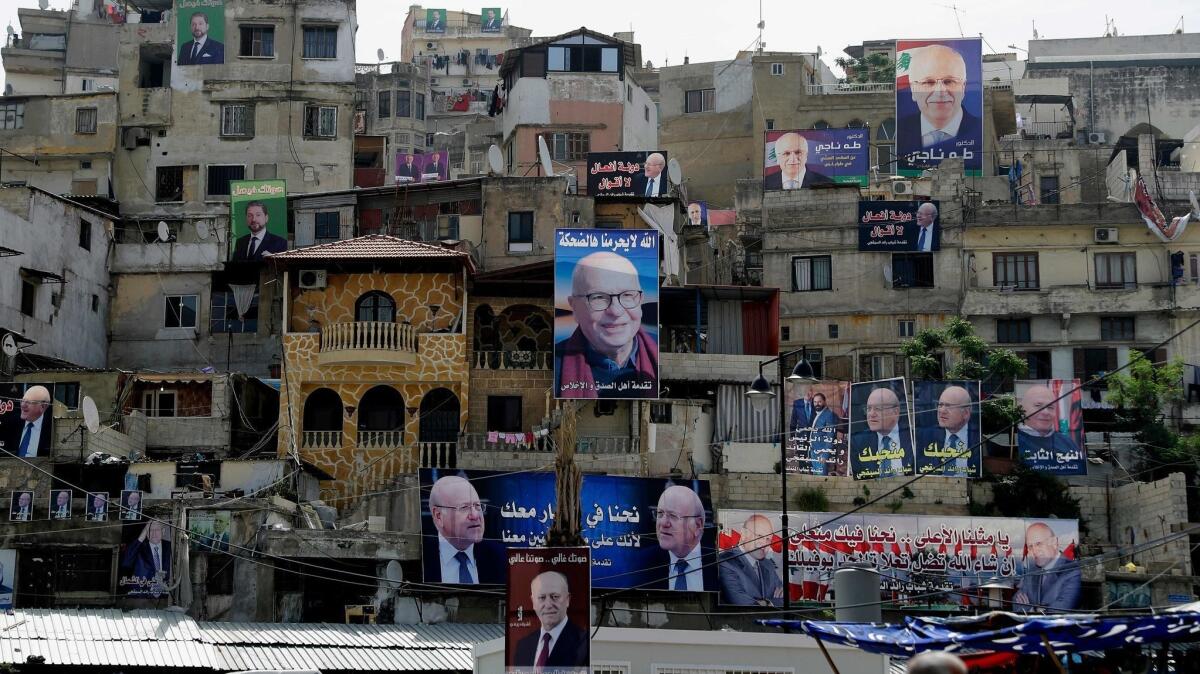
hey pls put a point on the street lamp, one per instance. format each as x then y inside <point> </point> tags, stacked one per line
<point>760,395</point>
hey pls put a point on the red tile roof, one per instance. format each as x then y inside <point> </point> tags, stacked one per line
<point>372,247</point>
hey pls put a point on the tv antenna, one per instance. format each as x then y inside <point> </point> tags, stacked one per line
<point>957,19</point>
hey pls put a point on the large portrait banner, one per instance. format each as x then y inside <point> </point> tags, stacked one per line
<point>817,428</point>
<point>947,418</point>
<point>881,441</point>
<point>548,614</point>
<point>939,104</point>
<point>1050,438</point>
<point>258,219</point>
<point>800,158</point>
<point>899,226</point>
<point>26,420</point>
<point>627,175</point>
<point>200,32</point>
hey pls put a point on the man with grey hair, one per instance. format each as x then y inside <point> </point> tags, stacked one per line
<point>936,662</point>
<point>559,644</point>
<point>926,227</point>
<point>679,527</point>
<point>31,436</point>
<point>937,78</point>
<point>655,163</point>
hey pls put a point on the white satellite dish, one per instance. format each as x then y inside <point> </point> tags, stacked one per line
<point>394,574</point>
<point>10,29</point>
<point>44,4</point>
<point>164,232</point>
<point>202,230</point>
<point>674,171</point>
<point>544,155</point>
<point>91,416</point>
<point>379,53</point>
<point>9,346</point>
<point>495,160</point>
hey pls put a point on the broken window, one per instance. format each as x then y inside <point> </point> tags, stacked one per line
<point>154,67</point>
<point>257,41</point>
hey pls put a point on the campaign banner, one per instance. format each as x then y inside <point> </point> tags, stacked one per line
<point>638,529</point>
<point>817,416</point>
<point>208,530</point>
<point>491,20</point>
<point>947,417</point>
<point>698,213</point>
<point>939,104</point>
<point>60,505</point>
<point>97,507</point>
<point>627,175</point>
<point>145,562</point>
<point>606,313</point>
<point>8,578</point>
<point>549,595</point>
<point>26,420</point>
<point>21,507</point>
<point>1050,438</point>
<point>200,32</point>
<point>920,559</point>
<point>899,226</point>
<point>435,21</point>
<point>881,442</point>
<point>800,158</point>
<point>422,168</point>
<point>258,219</point>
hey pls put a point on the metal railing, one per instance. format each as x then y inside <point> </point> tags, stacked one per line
<point>321,439</point>
<point>369,335</point>
<point>586,444</point>
<point>1064,129</point>
<point>849,88</point>
<point>513,360</point>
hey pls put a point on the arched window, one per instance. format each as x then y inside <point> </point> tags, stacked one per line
<point>375,307</point>
<point>820,124</point>
<point>856,124</point>
<point>886,133</point>
<point>381,409</point>
<point>323,411</point>
<point>439,416</point>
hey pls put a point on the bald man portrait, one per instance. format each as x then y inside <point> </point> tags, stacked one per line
<point>937,77</point>
<point>927,234</point>
<point>609,354</point>
<point>749,575</point>
<point>885,433</point>
<point>679,528</point>
<point>791,154</point>
<point>559,644</point>
<point>1039,432</point>
<point>952,434</point>
<point>463,557</point>
<point>1051,581</point>
<point>656,182</point>
<point>30,434</point>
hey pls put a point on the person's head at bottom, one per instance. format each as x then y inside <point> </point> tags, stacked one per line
<point>936,662</point>
<point>551,597</point>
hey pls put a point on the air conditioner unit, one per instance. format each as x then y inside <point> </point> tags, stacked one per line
<point>1107,235</point>
<point>1097,138</point>
<point>901,187</point>
<point>312,279</point>
<point>431,45</point>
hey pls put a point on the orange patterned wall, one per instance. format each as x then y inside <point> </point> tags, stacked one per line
<point>413,294</point>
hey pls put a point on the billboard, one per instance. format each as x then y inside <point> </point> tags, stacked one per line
<point>491,20</point>
<point>698,213</point>
<point>258,219</point>
<point>8,578</point>
<point>947,417</point>
<point>200,32</point>
<point>97,507</point>
<point>939,104</point>
<point>800,158</point>
<point>606,313</point>
<point>881,443</point>
<point>208,530</point>
<point>920,559</point>
<point>26,420</point>
<point>645,533</point>
<point>20,506</point>
<point>1050,438</point>
<point>899,226</point>
<point>131,505</point>
<point>435,21</point>
<point>816,438</point>
<point>60,504</point>
<point>627,175</point>
<point>145,564</point>
<point>548,614</point>
<point>422,168</point>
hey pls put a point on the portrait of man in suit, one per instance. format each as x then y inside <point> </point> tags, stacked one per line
<point>1040,431</point>
<point>6,583</point>
<point>435,21</point>
<point>952,434</point>
<point>491,20</point>
<point>60,504</point>
<point>937,77</point>
<point>407,170</point>
<point>32,433</point>
<point>926,227</point>
<point>259,242</point>
<point>20,507</point>
<point>679,524</point>
<point>458,515</point>
<point>147,561</point>
<point>433,168</point>
<point>791,154</point>
<point>884,436</point>
<point>655,180</point>
<point>97,508</point>
<point>1051,582</point>
<point>201,49</point>
<point>559,644</point>
<point>812,430</point>
<point>749,575</point>
<point>131,505</point>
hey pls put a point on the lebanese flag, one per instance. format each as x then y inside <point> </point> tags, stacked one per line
<point>777,543</point>
<point>727,541</point>
<point>1069,552</point>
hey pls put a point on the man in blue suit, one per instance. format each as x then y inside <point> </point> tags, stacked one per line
<point>951,436</point>
<point>885,434</point>
<point>1051,583</point>
<point>813,425</point>
<point>937,76</point>
<point>201,49</point>
<point>1038,438</point>
<point>748,573</point>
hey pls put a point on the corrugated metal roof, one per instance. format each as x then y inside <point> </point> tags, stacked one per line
<point>370,247</point>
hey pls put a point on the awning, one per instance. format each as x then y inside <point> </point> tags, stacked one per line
<point>43,276</point>
<point>9,252</point>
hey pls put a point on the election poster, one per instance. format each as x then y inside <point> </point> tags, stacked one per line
<point>881,442</point>
<point>8,578</point>
<point>491,20</point>
<point>145,562</point>
<point>200,32</point>
<point>698,213</point>
<point>422,168</point>
<point>939,104</point>
<point>60,505</point>
<point>920,559</point>
<point>947,418</point>
<point>802,158</point>
<point>627,175</point>
<point>26,420</point>
<point>435,21</point>
<point>258,219</point>
<point>606,313</point>
<point>895,226</point>
<point>20,506</point>
<point>1050,437</point>
<point>645,533</point>
<point>549,595</point>
<point>817,425</point>
<point>208,530</point>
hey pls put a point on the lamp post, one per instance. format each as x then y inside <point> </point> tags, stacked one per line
<point>760,395</point>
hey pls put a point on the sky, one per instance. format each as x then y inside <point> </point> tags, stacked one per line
<point>707,30</point>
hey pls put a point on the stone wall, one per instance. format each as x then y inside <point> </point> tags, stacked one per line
<point>931,496</point>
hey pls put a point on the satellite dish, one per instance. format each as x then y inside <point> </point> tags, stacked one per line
<point>202,230</point>
<point>9,346</point>
<point>394,574</point>
<point>379,53</point>
<point>10,29</point>
<point>544,155</point>
<point>43,4</point>
<point>164,232</point>
<point>674,171</point>
<point>495,160</point>
<point>91,416</point>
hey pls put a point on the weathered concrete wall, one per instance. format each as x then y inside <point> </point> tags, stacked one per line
<point>501,196</point>
<point>756,491</point>
<point>49,134</point>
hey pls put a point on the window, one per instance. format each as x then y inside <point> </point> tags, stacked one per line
<point>375,307</point>
<point>87,84</point>
<point>154,68</point>
<point>158,403</point>
<point>85,165</point>
<point>785,333</point>
<point>67,393</point>
<point>237,119</point>
<point>568,146</point>
<point>1048,188</point>
<point>581,58</point>
<point>820,124</point>
<point>812,273</point>
<point>833,330</point>
<point>403,108</point>
<point>504,414</point>
<point>776,68</point>
<point>168,184</point>
<point>85,120</point>
<point>328,226</point>
<point>1039,364</point>
<point>907,327</point>
<point>12,116</point>
<point>419,106</point>
<point>1091,363</point>
<point>320,121</point>
<point>856,124</point>
<point>646,113</point>
<point>224,316</point>
<point>257,41</point>
<point>770,124</point>
<point>699,100</point>
<point>1015,270</point>
<point>219,178</point>
<point>28,296</point>
<point>1116,328</point>
<point>876,366</point>
<point>660,413</point>
<point>180,311</point>
<point>912,270</point>
<point>429,140</point>
<point>85,234</point>
<point>320,42</point>
<point>1013,330</point>
<point>1116,270</point>
<point>385,105</point>
<point>69,570</point>
<point>520,232</point>
<point>95,303</point>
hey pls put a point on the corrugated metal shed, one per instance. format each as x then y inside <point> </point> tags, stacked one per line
<point>166,639</point>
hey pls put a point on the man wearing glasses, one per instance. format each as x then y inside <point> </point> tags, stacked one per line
<point>463,558</point>
<point>886,445</point>
<point>610,354</point>
<point>951,436</point>
<point>679,526</point>
<point>937,77</point>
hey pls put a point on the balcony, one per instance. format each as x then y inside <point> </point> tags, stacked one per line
<point>849,88</point>
<point>513,360</point>
<point>1067,299</point>
<point>367,343</point>
<point>597,445</point>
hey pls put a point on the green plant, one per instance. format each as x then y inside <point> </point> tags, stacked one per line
<point>1139,394</point>
<point>895,506</point>
<point>858,501</point>
<point>906,493</point>
<point>871,68</point>
<point>812,499</point>
<point>1028,493</point>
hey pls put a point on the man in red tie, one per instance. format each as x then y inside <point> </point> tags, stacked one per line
<point>560,645</point>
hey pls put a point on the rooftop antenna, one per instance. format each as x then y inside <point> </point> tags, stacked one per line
<point>761,24</point>
<point>1035,35</point>
<point>957,20</point>
<point>1179,26</point>
<point>379,53</point>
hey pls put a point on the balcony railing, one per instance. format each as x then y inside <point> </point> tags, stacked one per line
<point>380,459</point>
<point>321,439</point>
<point>380,439</point>
<point>587,444</point>
<point>514,360</point>
<point>850,88</point>
<point>368,342</point>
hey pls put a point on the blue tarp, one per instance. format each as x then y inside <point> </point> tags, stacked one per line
<point>1000,631</point>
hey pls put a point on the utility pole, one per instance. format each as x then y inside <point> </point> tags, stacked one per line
<point>568,481</point>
